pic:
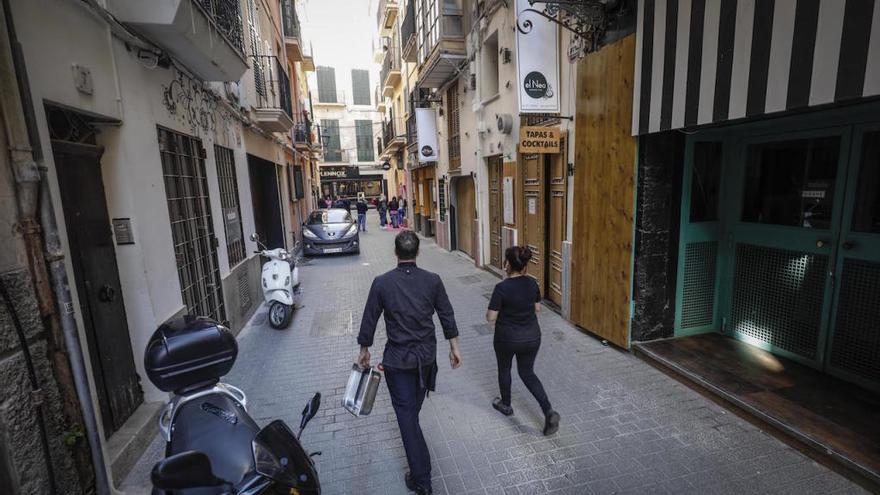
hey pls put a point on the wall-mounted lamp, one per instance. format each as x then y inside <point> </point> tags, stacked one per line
<point>505,55</point>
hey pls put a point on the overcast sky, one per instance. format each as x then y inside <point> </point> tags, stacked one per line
<point>341,31</point>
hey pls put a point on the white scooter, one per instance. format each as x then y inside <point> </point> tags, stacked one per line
<point>280,282</point>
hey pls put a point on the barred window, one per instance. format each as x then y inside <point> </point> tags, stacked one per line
<point>326,84</point>
<point>364,136</point>
<point>230,205</point>
<point>360,87</point>
<point>453,127</point>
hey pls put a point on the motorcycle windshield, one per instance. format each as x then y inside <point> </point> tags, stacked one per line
<point>279,456</point>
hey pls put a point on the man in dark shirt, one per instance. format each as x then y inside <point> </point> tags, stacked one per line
<point>362,213</point>
<point>409,296</point>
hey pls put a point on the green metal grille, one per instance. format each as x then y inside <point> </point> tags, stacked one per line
<point>856,341</point>
<point>698,292</point>
<point>777,298</point>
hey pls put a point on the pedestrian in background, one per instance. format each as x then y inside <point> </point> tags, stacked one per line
<point>513,307</point>
<point>401,212</point>
<point>362,214</point>
<point>382,207</point>
<point>408,297</point>
<point>393,206</point>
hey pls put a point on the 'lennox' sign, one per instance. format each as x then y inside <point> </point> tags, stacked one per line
<point>538,139</point>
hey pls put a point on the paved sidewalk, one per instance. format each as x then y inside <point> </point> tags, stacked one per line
<point>626,427</point>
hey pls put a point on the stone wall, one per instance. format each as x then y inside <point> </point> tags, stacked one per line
<point>658,207</point>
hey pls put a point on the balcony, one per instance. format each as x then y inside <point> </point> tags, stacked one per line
<point>390,75</point>
<point>308,61</point>
<point>412,135</point>
<point>333,99</point>
<point>386,15</point>
<point>291,31</point>
<point>302,135</point>
<point>391,141</point>
<point>379,99</point>
<point>444,50</point>
<point>273,111</point>
<point>408,34</point>
<point>205,35</point>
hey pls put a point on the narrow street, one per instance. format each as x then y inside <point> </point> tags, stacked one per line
<point>626,427</point>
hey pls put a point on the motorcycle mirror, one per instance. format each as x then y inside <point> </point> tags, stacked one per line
<point>255,237</point>
<point>310,410</point>
<point>190,469</point>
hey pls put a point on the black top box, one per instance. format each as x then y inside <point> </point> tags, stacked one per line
<point>189,353</point>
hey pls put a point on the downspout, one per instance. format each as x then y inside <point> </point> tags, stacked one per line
<point>32,191</point>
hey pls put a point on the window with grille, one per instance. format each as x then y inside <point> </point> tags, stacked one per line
<point>364,135</point>
<point>452,124</point>
<point>192,228</point>
<point>326,84</point>
<point>332,145</point>
<point>298,189</point>
<point>360,87</point>
<point>230,205</point>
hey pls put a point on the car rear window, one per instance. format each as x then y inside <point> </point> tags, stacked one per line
<point>329,216</point>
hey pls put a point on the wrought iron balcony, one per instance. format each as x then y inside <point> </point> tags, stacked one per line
<point>302,134</point>
<point>443,49</point>
<point>291,30</point>
<point>412,135</point>
<point>390,74</point>
<point>205,35</point>
<point>272,85</point>
<point>391,140</point>
<point>408,34</point>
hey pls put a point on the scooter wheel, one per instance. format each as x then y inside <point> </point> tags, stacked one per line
<point>280,315</point>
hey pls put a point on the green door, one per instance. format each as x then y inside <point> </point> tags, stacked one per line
<point>854,342</point>
<point>781,241</point>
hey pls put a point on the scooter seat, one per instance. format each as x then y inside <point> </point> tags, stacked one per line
<point>217,425</point>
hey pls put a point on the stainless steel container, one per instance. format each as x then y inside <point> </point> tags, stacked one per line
<point>360,392</point>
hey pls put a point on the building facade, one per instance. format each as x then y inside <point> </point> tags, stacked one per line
<point>179,130</point>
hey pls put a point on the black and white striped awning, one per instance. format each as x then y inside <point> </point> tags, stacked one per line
<point>707,61</point>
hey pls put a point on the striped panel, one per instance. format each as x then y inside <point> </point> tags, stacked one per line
<point>708,61</point>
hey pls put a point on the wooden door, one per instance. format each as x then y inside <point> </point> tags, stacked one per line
<point>534,209</point>
<point>605,164</point>
<point>556,224</point>
<point>465,215</point>
<point>93,257</point>
<point>495,220</point>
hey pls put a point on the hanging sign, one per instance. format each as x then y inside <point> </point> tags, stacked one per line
<point>538,139</point>
<point>537,61</point>
<point>426,128</point>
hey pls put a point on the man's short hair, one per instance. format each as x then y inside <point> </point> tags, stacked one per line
<point>406,245</point>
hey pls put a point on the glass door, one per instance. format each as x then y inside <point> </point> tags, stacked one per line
<point>854,342</point>
<point>782,240</point>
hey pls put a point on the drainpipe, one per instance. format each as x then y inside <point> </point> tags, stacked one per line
<point>32,191</point>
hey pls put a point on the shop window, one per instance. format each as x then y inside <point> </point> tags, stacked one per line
<point>791,182</point>
<point>230,204</point>
<point>705,182</point>
<point>866,216</point>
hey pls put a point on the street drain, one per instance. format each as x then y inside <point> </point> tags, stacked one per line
<point>334,323</point>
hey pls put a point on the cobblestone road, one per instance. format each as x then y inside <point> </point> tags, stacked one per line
<point>626,427</point>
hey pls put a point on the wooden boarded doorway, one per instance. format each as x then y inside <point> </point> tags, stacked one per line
<point>534,210</point>
<point>556,221</point>
<point>495,205</point>
<point>465,215</point>
<point>605,164</point>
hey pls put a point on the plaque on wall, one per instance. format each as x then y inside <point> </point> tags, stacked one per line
<point>122,231</point>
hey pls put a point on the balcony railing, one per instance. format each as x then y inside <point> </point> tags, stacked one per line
<point>388,133</point>
<point>335,97</point>
<point>272,84</point>
<point>302,133</point>
<point>289,20</point>
<point>390,64</point>
<point>412,136</point>
<point>226,16</point>
<point>408,33</point>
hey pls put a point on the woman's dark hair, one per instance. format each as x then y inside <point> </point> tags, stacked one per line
<point>406,245</point>
<point>518,257</point>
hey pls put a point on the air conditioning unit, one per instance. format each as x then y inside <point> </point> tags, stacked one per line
<point>504,121</point>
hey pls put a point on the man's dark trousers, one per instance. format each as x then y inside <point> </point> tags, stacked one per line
<point>407,395</point>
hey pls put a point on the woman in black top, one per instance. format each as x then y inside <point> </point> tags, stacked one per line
<point>513,307</point>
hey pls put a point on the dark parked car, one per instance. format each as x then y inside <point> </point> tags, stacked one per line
<point>329,231</point>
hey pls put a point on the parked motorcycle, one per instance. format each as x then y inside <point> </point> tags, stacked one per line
<point>213,446</point>
<point>280,282</point>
